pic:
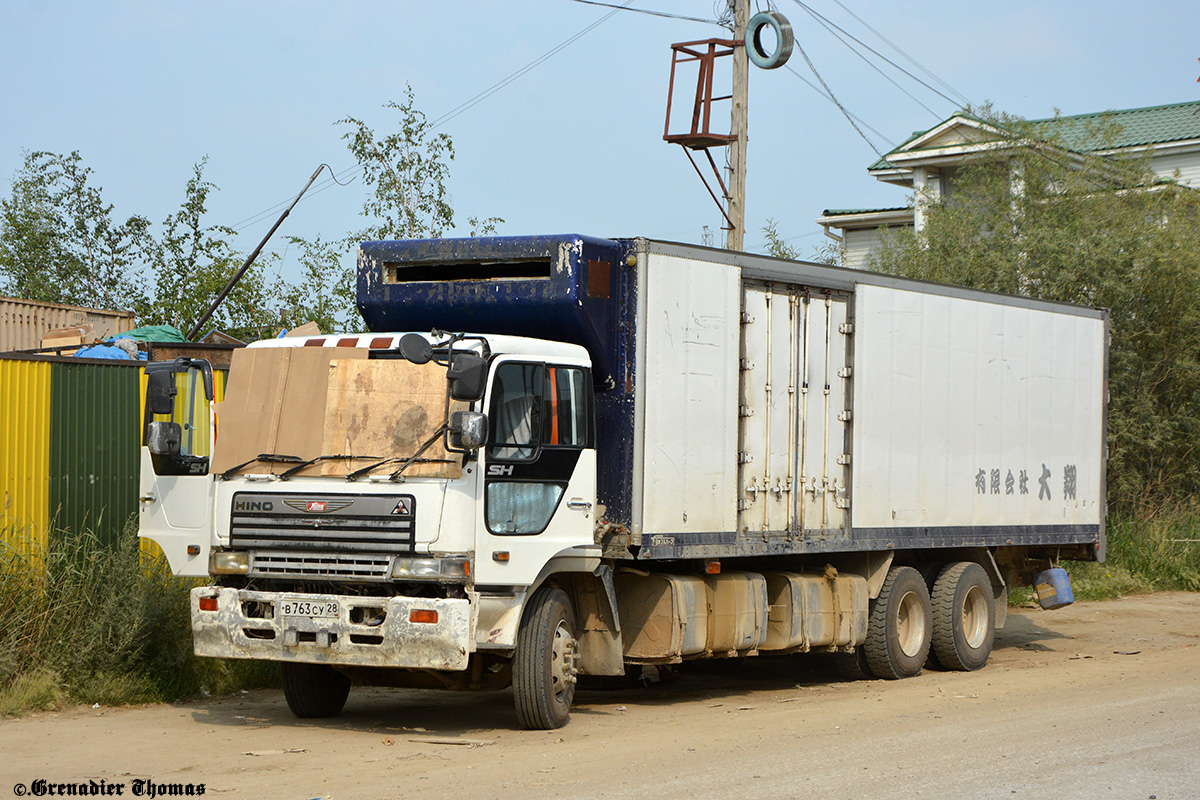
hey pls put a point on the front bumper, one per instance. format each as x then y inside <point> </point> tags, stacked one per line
<point>250,624</point>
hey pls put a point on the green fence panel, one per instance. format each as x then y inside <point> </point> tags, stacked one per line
<point>94,438</point>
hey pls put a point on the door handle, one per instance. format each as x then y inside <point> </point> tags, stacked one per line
<point>578,504</point>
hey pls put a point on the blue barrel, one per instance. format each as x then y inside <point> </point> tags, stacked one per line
<point>1053,588</point>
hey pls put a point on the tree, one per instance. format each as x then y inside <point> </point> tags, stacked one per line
<point>408,170</point>
<point>1039,220</point>
<point>325,294</point>
<point>828,253</point>
<point>59,241</point>
<point>191,262</point>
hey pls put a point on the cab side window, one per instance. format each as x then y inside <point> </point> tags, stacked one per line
<point>516,412</point>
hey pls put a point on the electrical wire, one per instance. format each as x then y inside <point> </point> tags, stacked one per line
<point>648,11</point>
<point>890,142</point>
<point>835,33</point>
<point>449,115</point>
<point>962,99</point>
<point>836,102</point>
<point>820,18</point>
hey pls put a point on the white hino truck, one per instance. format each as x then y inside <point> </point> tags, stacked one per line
<point>558,456</point>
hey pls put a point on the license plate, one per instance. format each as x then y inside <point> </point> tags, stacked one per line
<point>310,609</point>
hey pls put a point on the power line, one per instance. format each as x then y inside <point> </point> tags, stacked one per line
<point>962,99</point>
<point>837,102</point>
<point>819,17</point>
<point>452,113</point>
<point>824,96</point>
<point>871,64</point>
<point>648,11</point>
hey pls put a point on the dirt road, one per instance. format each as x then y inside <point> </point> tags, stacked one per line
<point>1099,700</point>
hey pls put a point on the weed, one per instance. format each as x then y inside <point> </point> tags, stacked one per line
<point>91,623</point>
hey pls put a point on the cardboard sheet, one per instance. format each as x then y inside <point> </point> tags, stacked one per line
<point>276,402</point>
<point>387,408</point>
<point>310,401</point>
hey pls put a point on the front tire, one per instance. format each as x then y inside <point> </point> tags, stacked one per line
<point>964,616</point>
<point>314,690</point>
<point>898,630</point>
<point>544,665</point>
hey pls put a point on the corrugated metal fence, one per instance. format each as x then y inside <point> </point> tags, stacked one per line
<point>70,430</point>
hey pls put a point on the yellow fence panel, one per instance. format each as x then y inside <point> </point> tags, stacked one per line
<point>24,452</point>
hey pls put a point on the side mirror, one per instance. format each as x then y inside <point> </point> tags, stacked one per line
<point>160,390</point>
<point>468,430</point>
<point>468,377</point>
<point>416,348</point>
<point>163,438</point>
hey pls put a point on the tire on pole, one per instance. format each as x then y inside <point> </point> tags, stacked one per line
<point>898,628</point>
<point>964,616</point>
<point>784,39</point>
<point>544,665</point>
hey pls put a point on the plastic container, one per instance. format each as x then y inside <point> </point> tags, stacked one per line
<point>1053,588</point>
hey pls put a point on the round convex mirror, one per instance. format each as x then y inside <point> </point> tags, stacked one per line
<point>415,348</point>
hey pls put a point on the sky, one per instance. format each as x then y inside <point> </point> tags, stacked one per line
<point>143,90</point>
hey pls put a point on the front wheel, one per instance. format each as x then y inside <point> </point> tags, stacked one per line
<point>314,690</point>
<point>544,665</point>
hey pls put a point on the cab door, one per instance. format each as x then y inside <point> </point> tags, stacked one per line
<point>175,489</point>
<point>539,470</point>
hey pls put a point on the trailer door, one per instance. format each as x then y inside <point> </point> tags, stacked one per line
<point>793,454</point>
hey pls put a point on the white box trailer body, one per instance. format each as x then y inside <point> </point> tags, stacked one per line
<point>804,408</point>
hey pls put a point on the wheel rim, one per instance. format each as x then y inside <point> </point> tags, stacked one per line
<point>562,660</point>
<point>910,624</point>
<point>974,618</point>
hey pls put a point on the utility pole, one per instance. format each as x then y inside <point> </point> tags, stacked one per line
<point>736,172</point>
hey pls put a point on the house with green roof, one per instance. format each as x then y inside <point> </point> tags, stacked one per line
<point>927,163</point>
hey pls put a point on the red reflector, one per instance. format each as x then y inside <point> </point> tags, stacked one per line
<point>713,567</point>
<point>208,604</point>
<point>422,615</point>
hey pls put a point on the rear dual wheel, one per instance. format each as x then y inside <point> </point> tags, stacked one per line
<point>899,626</point>
<point>964,616</point>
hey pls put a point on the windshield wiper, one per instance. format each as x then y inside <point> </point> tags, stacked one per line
<point>268,458</point>
<point>428,443</point>
<point>283,476</point>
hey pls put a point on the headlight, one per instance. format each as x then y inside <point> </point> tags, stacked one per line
<point>230,563</point>
<point>432,568</point>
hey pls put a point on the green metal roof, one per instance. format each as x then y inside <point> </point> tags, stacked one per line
<point>838,212</point>
<point>1132,127</point>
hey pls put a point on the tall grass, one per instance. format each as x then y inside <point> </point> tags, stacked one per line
<point>1147,552</point>
<point>81,621</point>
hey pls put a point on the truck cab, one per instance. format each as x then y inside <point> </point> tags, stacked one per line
<point>464,482</point>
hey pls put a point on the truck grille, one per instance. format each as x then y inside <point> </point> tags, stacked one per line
<point>324,565</point>
<point>368,523</point>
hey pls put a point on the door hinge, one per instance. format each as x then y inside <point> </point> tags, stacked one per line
<point>845,416</point>
<point>845,372</point>
<point>846,327</point>
<point>844,459</point>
